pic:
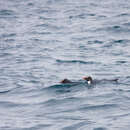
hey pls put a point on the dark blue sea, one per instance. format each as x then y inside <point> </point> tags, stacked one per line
<point>44,41</point>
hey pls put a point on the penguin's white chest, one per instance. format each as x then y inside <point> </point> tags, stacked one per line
<point>89,82</point>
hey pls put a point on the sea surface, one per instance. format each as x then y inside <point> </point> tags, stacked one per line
<point>45,41</point>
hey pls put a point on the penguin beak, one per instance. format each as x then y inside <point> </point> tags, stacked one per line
<point>85,78</point>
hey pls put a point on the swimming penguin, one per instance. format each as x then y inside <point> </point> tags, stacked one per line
<point>64,81</point>
<point>90,80</point>
<point>87,78</point>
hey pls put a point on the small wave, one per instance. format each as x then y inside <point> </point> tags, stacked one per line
<point>81,16</point>
<point>100,128</point>
<point>79,38</point>
<point>57,86</point>
<point>123,14</point>
<point>3,92</point>
<point>7,35</point>
<point>56,101</point>
<point>8,104</point>
<point>76,61</point>
<point>46,18</point>
<point>40,33</point>
<point>54,1</point>
<point>113,42</point>
<point>64,88</point>
<point>9,40</point>
<point>46,10</point>
<point>6,12</point>
<point>117,28</point>
<point>127,24</point>
<point>121,62</point>
<point>77,125</point>
<point>95,107</point>
<point>119,116</point>
<point>30,4</point>
<point>42,25</point>
<point>95,41</point>
<point>120,41</point>
<point>33,127</point>
<point>4,54</point>
<point>50,26</point>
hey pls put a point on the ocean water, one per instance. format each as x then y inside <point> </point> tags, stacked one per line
<point>45,41</point>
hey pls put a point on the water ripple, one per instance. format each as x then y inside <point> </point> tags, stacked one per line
<point>98,107</point>
<point>76,61</point>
